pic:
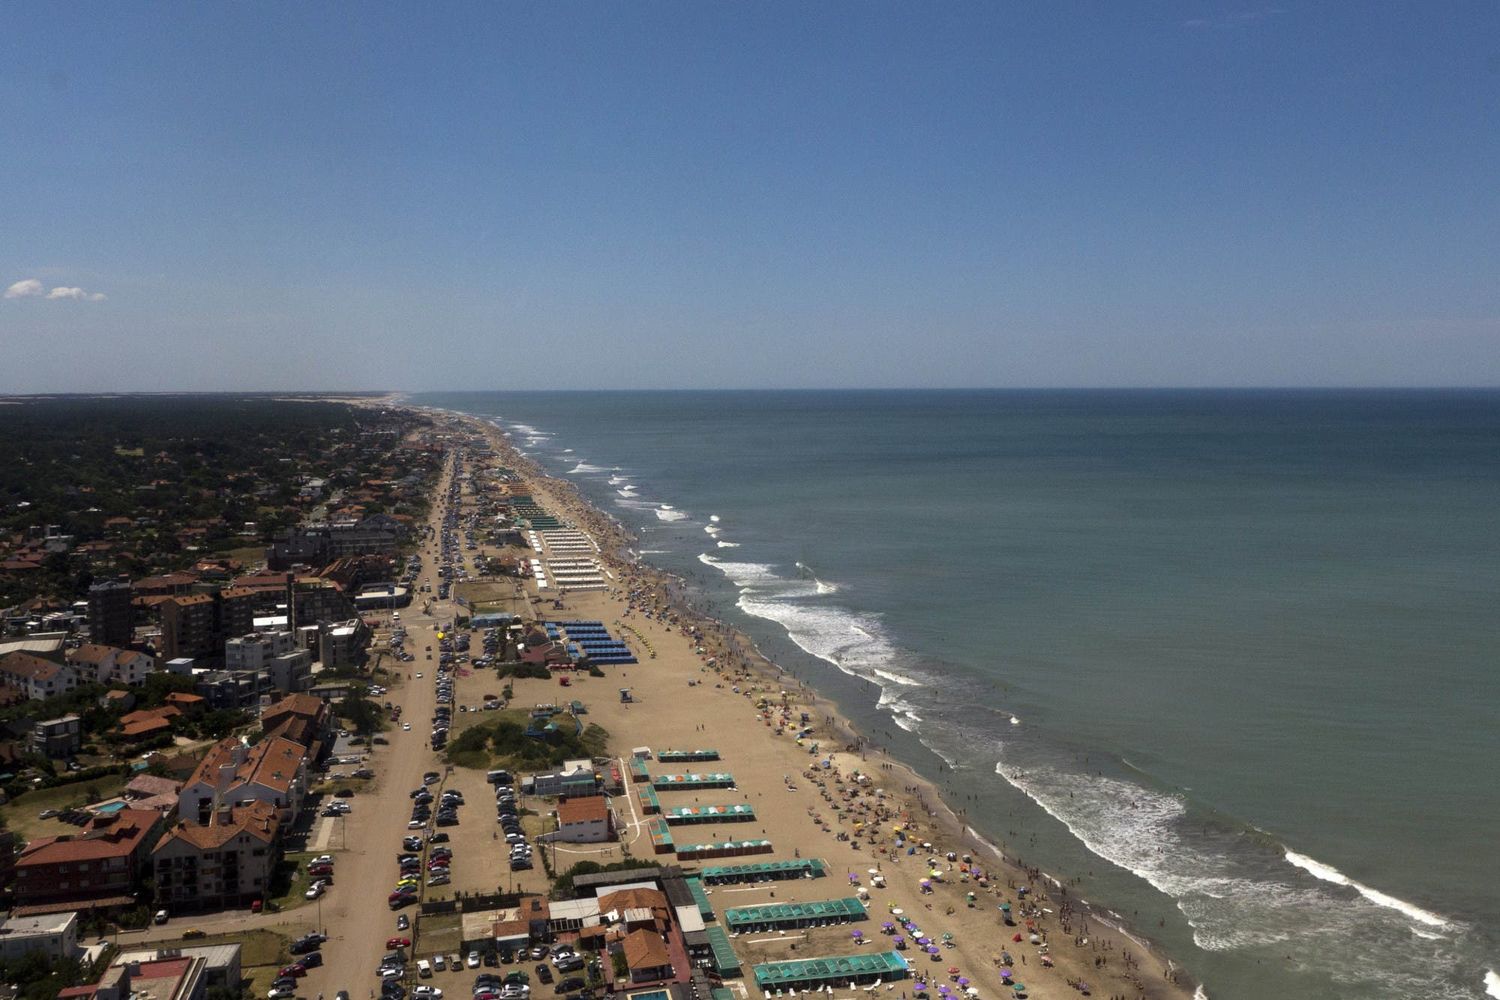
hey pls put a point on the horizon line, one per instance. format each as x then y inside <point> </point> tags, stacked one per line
<point>106,393</point>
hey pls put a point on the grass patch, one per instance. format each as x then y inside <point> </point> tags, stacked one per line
<point>290,881</point>
<point>499,739</point>
<point>250,555</point>
<point>263,953</point>
<point>20,815</point>
<point>439,932</point>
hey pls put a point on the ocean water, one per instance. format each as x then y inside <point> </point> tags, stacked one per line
<point>1231,659</point>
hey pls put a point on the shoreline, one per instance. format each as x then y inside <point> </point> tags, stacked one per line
<point>1155,973</point>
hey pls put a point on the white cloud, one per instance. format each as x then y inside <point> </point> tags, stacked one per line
<point>75,293</point>
<point>32,288</point>
<point>24,289</point>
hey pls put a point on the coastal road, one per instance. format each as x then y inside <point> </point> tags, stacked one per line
<point>357,919</point>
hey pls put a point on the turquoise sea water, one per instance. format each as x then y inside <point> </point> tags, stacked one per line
<point>1231,657</point>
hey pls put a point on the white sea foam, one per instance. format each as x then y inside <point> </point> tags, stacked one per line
<point>729,545</point>
<point>626,491</point>
<point>617,480</point>
<point>848,641</point>
<point>1014,721</point>
<point>1492,983</point>
<point>743,574</point>
<point>711,530</point>
<point>714,518</point>
<point>1330,874</point>
<point>1200,993</point>
<point>583,468</point>
<point>666,513</point>
<point>1236,900</point>
<point>567,451</point>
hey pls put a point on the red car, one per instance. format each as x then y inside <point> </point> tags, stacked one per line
<point>320,870</point>
<point>398,943</point>
<point>295,971</point>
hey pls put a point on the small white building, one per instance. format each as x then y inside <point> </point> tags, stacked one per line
<point>56,934</point>
<point>588,820</point>
<point>276,653</point>
<point>574,778</point>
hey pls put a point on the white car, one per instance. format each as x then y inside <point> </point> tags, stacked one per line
<point>315,890</point>
<point>419,675</point>
<point>473,961</point>
<point>322,859</point>
<point>426,993</point>
<point>406,726</point>
<point>280,993</point>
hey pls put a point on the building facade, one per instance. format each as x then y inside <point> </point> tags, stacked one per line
<point>111,664</point>
<point>227,862</point>
<point>111,615</point>
<point>98,868</point>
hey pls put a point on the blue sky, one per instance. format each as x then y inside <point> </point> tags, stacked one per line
<point>700,195</point>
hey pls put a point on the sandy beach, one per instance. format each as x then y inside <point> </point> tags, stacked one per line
<point>826,795</point>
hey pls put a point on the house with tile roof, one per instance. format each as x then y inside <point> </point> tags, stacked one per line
<point>110,664</point>
<point>273,771</point>
<point>147,791</point>
<point>97,869</point>
<point>586,820</point>
<point>225,862</point>
<point>647,956</point>
<point>146,723</point>
<point>35,677</point>
<point>301,718</point>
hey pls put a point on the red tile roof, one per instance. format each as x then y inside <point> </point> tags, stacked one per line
<point>592,809</point>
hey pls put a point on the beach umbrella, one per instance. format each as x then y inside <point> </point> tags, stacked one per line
<point>952,970</point>
<point>858,935</point>
<point>972,991</point>
<point>1018,987</point>
<point>1005,907</point>
<point>1006,973</point>
<point>933,951</point>
<point>1016,938</point>
<point>888,926</point>
<point>897,911</point>
<point>947,936</point>
<point>963,981</point>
